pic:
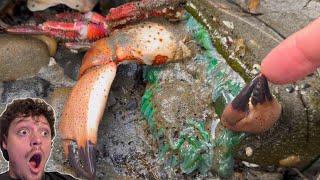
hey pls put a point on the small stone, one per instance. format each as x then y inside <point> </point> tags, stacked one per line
<point>290,89</point>
<point>256,69</point>
<point>228,24</point>
<point>290,161</point>
<point>248,151</point>
<point>52,61</point>
<point>305,86</point>
<point>252,165</point>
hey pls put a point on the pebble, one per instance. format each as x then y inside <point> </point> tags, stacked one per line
<point>248,151</point>
<point>305,86</point>
<point>290,89</point>
<point>290,161</point>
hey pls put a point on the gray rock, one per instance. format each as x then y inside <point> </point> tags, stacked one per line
<point>33,87</point>
<point>253,174</point>
<point>69,61</point>
<point>21,57</point>
<point>55,75</point>
<point>285,17</point>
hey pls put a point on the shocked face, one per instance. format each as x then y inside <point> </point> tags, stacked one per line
<point>29,145</point>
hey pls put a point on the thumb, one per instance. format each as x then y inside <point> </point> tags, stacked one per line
<point>295,57</point>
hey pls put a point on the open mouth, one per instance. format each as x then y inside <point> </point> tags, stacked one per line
<point>35,160</point>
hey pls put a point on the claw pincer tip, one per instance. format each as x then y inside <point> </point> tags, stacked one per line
<point>254,110</point>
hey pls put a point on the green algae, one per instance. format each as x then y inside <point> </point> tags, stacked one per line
<point>193,149</point>
<point>147,107</point>
<point>192,8</point>
<point>224,91</point>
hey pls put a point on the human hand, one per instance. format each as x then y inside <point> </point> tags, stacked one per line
<point>295,57</point>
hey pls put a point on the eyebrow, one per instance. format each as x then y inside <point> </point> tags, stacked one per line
<point>23,119</point>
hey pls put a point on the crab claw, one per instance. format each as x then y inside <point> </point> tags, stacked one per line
<point>254,113</point>
<point>147,43</point>
<point>85,164</point>
<point>81,117</point>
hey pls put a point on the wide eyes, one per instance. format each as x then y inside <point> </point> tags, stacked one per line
<point>45,133</point>
<point>23,132</point>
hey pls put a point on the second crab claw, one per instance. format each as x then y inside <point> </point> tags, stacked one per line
<point>254,110</point>
<point>86,163</point>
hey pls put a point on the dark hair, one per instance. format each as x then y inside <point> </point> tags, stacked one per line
<point>24,108</point>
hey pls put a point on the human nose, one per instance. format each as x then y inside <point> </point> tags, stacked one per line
<point>36,139</point>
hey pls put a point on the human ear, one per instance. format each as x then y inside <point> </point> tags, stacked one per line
<point>4,143</point>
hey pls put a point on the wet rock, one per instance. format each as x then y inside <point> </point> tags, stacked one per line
<point>131,72</point>
<point>57,98</point>
<point>50,42</point>
<point>34,87</point>
<point>69,61</point>
<point>21,57</point>
<point>253,174</point>
<point>55,75</point>
<point>285,17</point>
<point>122,150</point>
<point>314,170</point>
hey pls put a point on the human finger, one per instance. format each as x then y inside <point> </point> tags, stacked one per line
<point>295,57</point>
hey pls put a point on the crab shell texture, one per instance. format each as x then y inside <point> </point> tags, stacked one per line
<point>147,43</point>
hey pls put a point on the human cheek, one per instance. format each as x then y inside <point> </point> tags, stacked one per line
<point>19,146</point>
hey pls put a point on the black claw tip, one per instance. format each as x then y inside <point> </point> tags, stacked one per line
<point>240,102</point>
<point>261,92</point>
<point>85,164</point>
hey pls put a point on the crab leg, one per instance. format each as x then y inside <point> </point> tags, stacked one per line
<point>254,113</point>
<point>146,43</point>
<point>92,26</point>
<point>143,9</point>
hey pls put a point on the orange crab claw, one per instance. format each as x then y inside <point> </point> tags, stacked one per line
<point>256,114</point>
<point>82,114</point>
<point>147,43</point>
